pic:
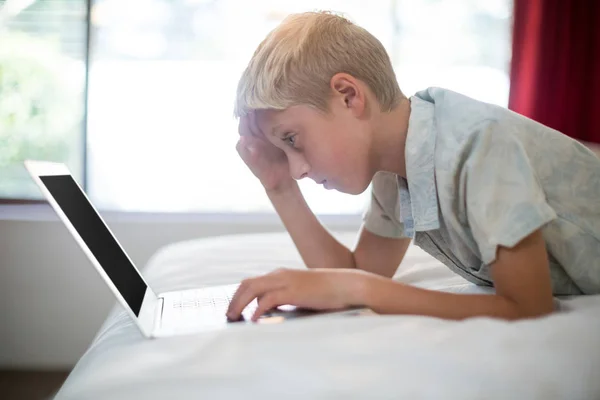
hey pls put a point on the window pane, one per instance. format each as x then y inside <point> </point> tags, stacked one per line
<point>460,45</point>
<point>42,82</point>
<point>162,85</point>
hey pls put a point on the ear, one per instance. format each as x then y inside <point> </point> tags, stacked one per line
<point>348,92</point>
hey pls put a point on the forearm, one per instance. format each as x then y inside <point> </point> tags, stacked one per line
<point>385,296</point>
<point>317,247</point>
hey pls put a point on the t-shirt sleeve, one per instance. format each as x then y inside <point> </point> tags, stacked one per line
<point>504,199</point>
<point>379,218</point>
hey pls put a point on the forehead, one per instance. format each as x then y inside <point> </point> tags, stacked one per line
<point>270,119</point>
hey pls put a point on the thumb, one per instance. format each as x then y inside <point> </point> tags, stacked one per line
<point>250,144</point>
<point>245,148</point>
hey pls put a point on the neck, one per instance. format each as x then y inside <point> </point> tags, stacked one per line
<point>390,129</point>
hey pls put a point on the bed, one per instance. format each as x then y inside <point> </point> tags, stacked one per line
<point>370,356</point>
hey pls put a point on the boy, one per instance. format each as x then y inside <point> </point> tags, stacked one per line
<point>498,198</point>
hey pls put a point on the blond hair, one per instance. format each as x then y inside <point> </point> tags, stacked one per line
<point>296,61</point>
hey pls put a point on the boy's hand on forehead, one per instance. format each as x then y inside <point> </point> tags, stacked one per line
<point>249,127</point>
<point>267,162</point>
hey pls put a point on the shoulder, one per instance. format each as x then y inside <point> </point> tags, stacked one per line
<point>448,102</point>
<point>458,120</point>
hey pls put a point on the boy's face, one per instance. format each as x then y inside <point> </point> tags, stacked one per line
<point>332,149</point>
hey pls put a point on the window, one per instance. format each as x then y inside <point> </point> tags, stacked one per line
<point>42,82</point>
<point>162,79</point>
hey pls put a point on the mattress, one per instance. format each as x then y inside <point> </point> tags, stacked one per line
<point>350,357</point>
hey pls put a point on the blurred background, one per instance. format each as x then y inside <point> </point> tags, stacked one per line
<point>161,85</point>
<point>136,97</point>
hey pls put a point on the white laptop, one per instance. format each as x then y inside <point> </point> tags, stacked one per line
<point>156,315</point>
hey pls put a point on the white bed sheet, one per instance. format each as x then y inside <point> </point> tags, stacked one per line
<point>557,357</point>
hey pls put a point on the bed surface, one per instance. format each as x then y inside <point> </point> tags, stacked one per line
<point>557,357</point>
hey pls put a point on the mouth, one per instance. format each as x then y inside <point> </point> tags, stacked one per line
<point>324,183</point>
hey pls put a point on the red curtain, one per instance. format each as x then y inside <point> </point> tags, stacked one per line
<point>555,69</point>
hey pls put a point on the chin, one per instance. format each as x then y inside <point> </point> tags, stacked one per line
<point>354,189</point>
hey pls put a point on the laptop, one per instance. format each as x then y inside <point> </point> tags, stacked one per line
<point>155,314</point>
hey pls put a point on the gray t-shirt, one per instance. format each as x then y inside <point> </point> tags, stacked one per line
<point>480,176</point>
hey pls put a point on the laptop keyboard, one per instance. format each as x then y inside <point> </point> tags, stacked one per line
<point>213,301</point>
<point>204,300</point>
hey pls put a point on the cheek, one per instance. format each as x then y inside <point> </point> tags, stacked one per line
<point>337,152</point>
<point>350,152</point>
<point>334,156</point>
<point>353,166</point>
<point>345,162</point>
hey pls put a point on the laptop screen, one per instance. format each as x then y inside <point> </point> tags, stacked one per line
<point>98,238</point>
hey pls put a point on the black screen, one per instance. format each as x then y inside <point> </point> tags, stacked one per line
<point>98,238</point>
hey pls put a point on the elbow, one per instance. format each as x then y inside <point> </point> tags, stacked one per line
<point>530,311</point>
<point>538,312</point>
<point>353,261</point>
<point>530,314</point>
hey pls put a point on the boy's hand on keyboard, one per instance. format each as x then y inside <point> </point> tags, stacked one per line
<point>319,289</point>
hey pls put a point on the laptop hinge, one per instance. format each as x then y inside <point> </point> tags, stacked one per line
<point>158,315</point>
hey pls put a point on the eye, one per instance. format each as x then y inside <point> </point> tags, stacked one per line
<point>290,139</point>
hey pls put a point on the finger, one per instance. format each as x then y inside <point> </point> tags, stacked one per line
<point>247,147</point>
<point>238,301</point>
<point>244,125</point>
<point>268,302</point>
<point>254,128</point>
<point>249,290</point>
<point>243,148</point>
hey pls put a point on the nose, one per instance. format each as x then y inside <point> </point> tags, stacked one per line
<point>298,166</point>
